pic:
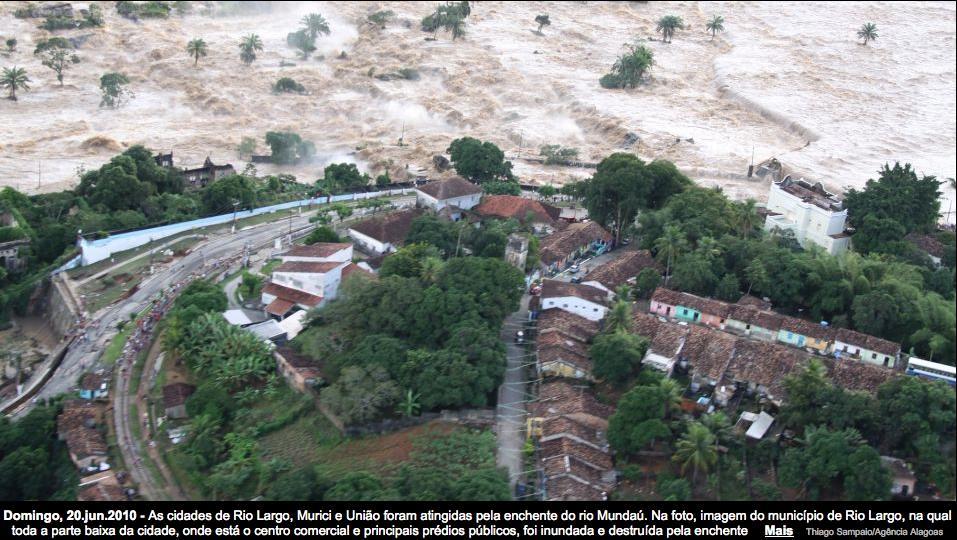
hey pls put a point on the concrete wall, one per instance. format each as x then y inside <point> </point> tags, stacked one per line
<point>104,248</point>
<point>62,309</point>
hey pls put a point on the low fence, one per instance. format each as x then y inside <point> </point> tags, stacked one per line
<point>97,250</point>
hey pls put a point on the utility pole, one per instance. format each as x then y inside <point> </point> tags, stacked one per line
<point>235,207</point>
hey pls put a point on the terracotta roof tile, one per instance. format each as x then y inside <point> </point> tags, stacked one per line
<point>866,341</point>
<point>559,397</point>
<point>552,288</point>
<point>560,244</point>
<point>765,364</point>
<point>859,376</point>
<point>567,323</point>
<point>279,307</point>
<point>666,296</point>
<point>566,488</point>
<point>626,266</point>
<point>176,394</point>
<point>307,267</point>
<point>450,189</point>
<point>291,295</point>
<point>515,207</point>
<point>645,324</point>
<point>748,300</point>
<point>101,491</point>
<point>320,250</point>
<point>668,340</point>
<point>570,425</point>
<point>806,328</point>
<point>709,351</point>
<point>391,228</point>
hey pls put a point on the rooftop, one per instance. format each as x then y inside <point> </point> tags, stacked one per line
<point>553,288</point>
<point>291,295</point>
<point>320,250</point>
<point>814,194</point>
<point>570,425</point>
<point>859,376</point>
<point>764,364</point>
<point>559,245</point>
<point>806,328</point>
<point>391,228</point>
<point>560,397</point>
<point>307,267</point>
<point>668,340</point>
<point>101,491</point>
<point>646,324</point>
<point>567,323</point>
<point>450,189</point>
<point>566,488</point>
<point>709,351</point>
<point>865,341</point>
<point>519,208</point>
<point>176,394</point>
<point>626,266</point>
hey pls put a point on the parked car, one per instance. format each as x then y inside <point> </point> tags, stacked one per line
<point>574,268</point>
<point>535,290</point>
<point>577,279</point>
<point>519,337</point>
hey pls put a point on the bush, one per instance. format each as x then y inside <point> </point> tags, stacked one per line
<point>289,86</point>
<point>610,81</point>
<point>52,43</point>
<point>59,23</point>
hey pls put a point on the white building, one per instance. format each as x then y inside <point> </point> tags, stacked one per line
<point>575,298</point>
<point>308,277</point>
<point>384,234</point>
<point>810,212</point>
<point>455,192</point>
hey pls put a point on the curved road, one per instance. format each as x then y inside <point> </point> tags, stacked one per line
<point>214,255</point>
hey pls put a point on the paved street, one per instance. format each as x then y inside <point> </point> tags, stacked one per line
<point>512,395</point>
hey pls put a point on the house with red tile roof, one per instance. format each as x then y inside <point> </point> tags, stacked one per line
<point>560,248</point>
<point>452,195</point>
<point>525,211</point>
<point>849,344</point>
<point>384,234</point>
<point>582,300</point>
<point>622,270</point>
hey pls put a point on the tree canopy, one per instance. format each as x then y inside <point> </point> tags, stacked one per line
<point>479,161</point>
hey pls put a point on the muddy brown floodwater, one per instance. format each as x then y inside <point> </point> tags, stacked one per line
<point>787,80</point>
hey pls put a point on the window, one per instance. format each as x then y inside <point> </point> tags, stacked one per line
<point>790,335</point>
<point>747,327</point>
<point>595,309</point>
<point>873,356</point>
<point>565,305</point>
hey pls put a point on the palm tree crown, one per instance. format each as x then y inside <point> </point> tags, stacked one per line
<point>715,25</point>
<point>542,20</point>
<point>14,78</point>
<point>867,32</point>
<point>196,48</point>
<point>315,24</point>
<point>248,47</point>
<point>667,26</point>
<point>696,450</point>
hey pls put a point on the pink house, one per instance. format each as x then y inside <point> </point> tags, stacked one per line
<point>664,301</point>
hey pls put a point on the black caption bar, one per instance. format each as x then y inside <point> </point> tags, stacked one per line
<point>476,520</point>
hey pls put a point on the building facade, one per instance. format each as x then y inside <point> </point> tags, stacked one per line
<point>814,215</point>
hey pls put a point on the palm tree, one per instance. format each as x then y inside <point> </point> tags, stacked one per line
<point>746,216</point>
<point>619,318</point>
<point>667,26</point>
<point>315,24</point>
<point>757,274</point>
<point>715,25</point>
<point>248,47</point>
<point>542,20</point>
<point>672,391</point>
<point>670,245</point>
<point>867,32</point>
<point>14,78</point>
<point>456,25</point>
<point>196,48</point>
<point>696,451</point>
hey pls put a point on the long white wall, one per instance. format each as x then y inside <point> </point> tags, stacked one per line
<point>97,250</point>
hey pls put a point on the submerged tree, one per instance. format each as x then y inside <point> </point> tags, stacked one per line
<point>59,60</point>
<point>196,48</point>
<point>113,86</point>
<point>248,47</point>
<point>315,24</point>
<point>14,79</point>
<point>629,68</point>
<point>542,20</point>
<point>868,32</point>
<point>715,25</point>
<point>667,26</point>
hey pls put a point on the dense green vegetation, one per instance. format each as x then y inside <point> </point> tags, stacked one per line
<point>428,325</point>
<point>288,147</point>
<point>713,246</point>
<point>629,68</point>
<point>34,464</point>
<point>130,191</point>
<point>450,17</point>
<point>479,161</point>
<point>459,466</point>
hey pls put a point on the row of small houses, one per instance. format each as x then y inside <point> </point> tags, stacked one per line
<point>570,425</point>
<point>753,318</point>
